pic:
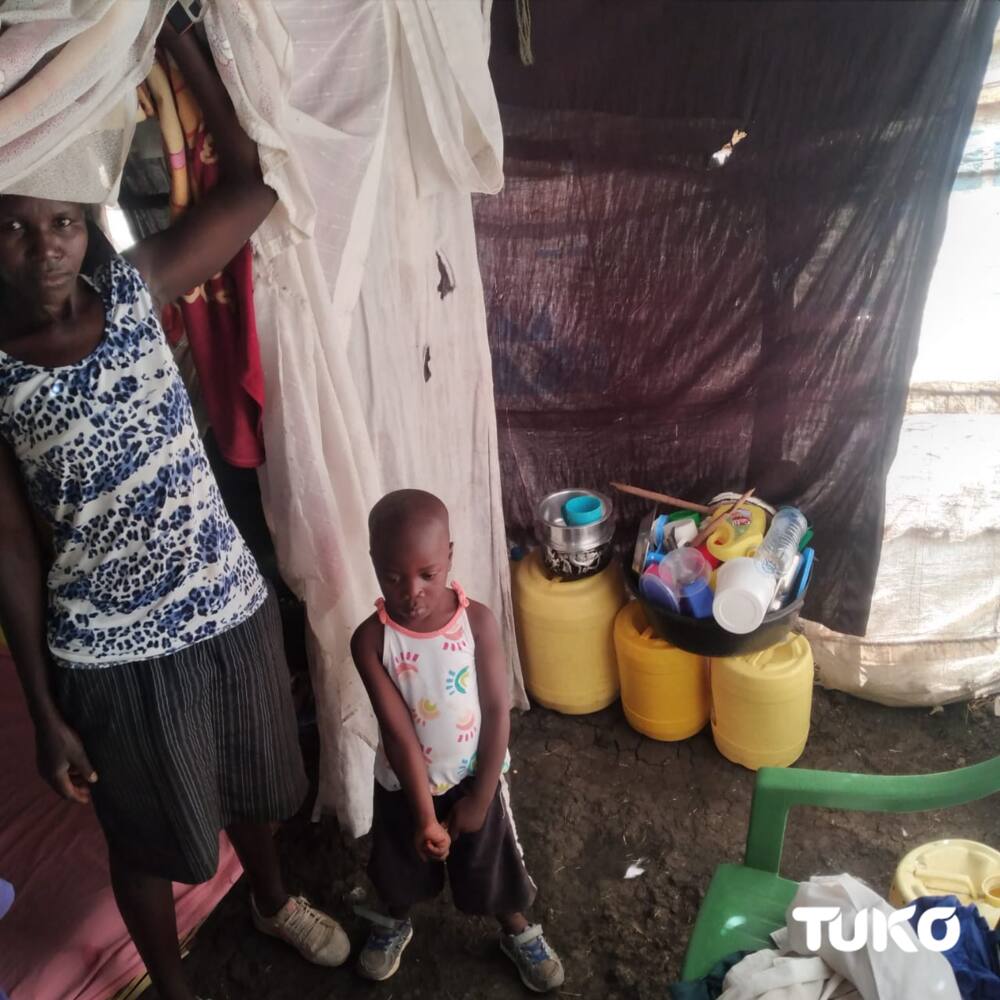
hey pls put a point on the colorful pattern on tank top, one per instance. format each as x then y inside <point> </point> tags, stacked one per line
<point>435,673</point>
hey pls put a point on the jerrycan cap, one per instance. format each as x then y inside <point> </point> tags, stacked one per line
<point>783,658</point>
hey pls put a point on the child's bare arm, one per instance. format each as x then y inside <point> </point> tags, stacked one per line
<point>469,814</point>
<point>399,739</point>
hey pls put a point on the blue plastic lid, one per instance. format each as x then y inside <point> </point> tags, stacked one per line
<point>805,572</point>
<point>655,590</point>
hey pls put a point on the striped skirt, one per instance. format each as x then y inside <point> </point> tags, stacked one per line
<point>188,744</point>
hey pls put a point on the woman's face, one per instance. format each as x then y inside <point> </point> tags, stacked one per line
<point>42,246</point>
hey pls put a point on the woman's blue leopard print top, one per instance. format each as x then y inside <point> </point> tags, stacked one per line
<point>147,560</point>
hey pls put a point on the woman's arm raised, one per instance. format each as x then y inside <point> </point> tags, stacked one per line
<point>210,233</point>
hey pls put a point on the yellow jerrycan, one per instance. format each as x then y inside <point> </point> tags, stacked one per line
<point>564,631</point>
<point>664,690</point>
<point>761,704</point>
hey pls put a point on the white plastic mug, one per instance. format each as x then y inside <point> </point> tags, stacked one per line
<point>744,591</point>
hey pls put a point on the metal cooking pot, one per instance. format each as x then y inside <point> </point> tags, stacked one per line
<point>574,551</point>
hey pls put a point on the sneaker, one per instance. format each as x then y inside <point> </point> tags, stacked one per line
<point>537,964</point>
<point>387,940</point>
<point>315,935</point>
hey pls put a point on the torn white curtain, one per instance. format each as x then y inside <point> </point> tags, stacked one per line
<point>65,127</point>
<point>418,348</point>
<point>396,124</point>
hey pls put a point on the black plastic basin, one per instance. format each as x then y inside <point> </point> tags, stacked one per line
<point>706,637</point>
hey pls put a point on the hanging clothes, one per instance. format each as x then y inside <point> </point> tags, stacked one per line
<point>217,318</point>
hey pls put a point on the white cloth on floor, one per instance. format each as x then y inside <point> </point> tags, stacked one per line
<point>889,974</point>
<point>769,975</point>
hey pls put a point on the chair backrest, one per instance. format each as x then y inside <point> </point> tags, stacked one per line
<point>778,789</point>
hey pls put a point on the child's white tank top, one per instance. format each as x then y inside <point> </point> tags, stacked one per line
<point>436,674</point>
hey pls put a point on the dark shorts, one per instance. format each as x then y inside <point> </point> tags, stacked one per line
<point>485,869</point>
<point>187,744</point>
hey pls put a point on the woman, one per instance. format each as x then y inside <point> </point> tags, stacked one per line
<point>153,669</point>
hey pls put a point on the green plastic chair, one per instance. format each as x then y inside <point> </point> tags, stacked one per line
<point>745,903</point>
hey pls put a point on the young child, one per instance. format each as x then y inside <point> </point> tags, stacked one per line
<point>433,665</point>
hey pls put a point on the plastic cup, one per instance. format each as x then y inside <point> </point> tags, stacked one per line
<point>686,566</point>
<point>584,509</point>
<point>689,573</point>
<point>743,593</point>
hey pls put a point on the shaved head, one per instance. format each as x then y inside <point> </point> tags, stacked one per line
<point>411,552</point>
<point>398,513</point>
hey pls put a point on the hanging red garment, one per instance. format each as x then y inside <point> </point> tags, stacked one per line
<point>218,317</point>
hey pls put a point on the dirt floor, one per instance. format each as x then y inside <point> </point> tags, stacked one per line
<point>591,796</point>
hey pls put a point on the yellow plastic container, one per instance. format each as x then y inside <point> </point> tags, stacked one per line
<point>664,690</point>
<point>738,534</point>
<point>761,704</point>
<point>564,630</point>
<point>959,868</point>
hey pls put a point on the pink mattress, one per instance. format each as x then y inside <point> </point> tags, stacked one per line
<point>63,938</point>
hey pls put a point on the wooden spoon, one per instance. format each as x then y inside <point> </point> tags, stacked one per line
<point>663,498</point>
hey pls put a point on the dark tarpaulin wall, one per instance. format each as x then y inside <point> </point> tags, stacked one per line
<point>690,328</point>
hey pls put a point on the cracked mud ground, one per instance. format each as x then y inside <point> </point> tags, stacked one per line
<point>590,796</point>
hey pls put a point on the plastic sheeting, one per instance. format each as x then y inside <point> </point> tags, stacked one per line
<point>933,633</point>
<point>660,319</point>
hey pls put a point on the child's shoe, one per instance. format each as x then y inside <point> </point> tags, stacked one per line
<point>537,964</point>
<point>387,940</point>
<point>315,935</point>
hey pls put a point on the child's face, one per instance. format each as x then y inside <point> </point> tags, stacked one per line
<point>412,570</point>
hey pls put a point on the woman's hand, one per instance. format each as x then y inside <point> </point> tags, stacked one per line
<point>467,815</point>
<point>432,842</point>
<point>63,762</point>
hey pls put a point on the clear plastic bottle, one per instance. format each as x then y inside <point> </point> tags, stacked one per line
<point>781,543</point>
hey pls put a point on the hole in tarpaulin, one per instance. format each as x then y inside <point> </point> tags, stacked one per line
<point>447,283</point>
<point>427,363</point>
<point>720,156</point>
